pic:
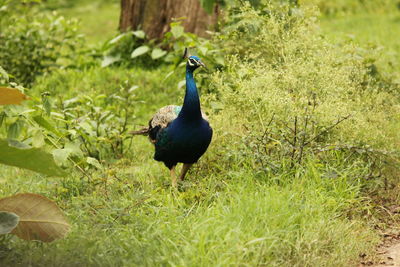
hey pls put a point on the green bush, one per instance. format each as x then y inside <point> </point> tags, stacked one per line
<point>134,49</point>
<point>34,43</point>
<point>303,96</point>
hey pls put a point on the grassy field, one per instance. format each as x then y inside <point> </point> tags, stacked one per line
<point>228,212</point>
<point>98,20</point>
<point>368,30</point>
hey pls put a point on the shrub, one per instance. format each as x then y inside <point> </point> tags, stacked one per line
<point>35,43</point>
<point>302,95</point>
<point>134,49</point>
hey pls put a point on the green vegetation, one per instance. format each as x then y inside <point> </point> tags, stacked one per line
<point>296,180</point>
<point>99,19</point>
<point>368,30</point>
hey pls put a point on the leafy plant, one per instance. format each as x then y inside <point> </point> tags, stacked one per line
<point>121,48</point>
<point>29,216</point>
<point>132,48</point>
<point>98,125</point>
<point>36,43</point>
<point>18,154</point>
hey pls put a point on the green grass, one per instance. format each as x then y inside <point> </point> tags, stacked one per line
<point>130,216</point>
<point>99,20</point>
<point>368,29</point>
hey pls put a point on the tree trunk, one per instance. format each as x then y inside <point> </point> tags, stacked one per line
<point>154,16</point>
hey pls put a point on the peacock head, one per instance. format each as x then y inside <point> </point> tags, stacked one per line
<point>193,62</point>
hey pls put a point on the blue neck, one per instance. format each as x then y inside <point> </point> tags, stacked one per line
<point>191,105</point>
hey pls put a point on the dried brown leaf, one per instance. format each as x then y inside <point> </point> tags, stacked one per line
<point>39,217</point>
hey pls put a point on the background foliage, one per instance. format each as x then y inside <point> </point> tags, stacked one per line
<point>36,43</point>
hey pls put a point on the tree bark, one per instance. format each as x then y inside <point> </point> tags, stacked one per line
<point>155,16</point>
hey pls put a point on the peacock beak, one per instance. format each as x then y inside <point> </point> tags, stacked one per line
<point>202,64</point>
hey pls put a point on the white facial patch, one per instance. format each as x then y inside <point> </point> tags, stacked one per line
<point>192,62</point>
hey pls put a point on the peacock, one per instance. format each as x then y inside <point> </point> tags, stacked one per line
<point>181,134</point>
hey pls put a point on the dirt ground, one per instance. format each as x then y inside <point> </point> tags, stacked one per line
<point>390,256</point>
<point>388,253</point>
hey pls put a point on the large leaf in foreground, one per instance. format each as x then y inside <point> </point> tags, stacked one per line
<point>16,154</point>
<point>39,217</point>
<point>9,96</point>
<point>8,221</point>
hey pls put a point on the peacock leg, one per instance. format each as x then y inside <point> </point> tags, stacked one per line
<point>173,176</point>
<point>185,168</point>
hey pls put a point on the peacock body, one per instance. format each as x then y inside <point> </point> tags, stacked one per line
<point>181,134</point>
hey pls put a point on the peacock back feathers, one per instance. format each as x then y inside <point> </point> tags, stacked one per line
<point>163,117</point>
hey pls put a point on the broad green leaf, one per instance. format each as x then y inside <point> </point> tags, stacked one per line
<point>10,96</point>
<point>74,148</point>
<point>46,124</point>
<point>94,162</point>
<point>27,111</point>
<point>71,101</point>
<point>20,155</point>
<point>14,130</point>
<point>8,221</point>
<point>177,31</point>
<point>140,51</point>
<point>85,125</point>
<point>157,53</point>
<point>61,155</point>
<point>39,217</point>
<point>108,60</point>
<point>139,34</point>
<point>116,39</point>
<point>170,58</point>
<point>38,139</point>
<point>17,144</point>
